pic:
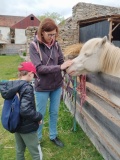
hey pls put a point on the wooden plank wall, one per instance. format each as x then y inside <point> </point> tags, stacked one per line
<point>99,118</point>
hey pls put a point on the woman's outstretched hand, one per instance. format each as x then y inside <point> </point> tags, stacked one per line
<point>66,64</point>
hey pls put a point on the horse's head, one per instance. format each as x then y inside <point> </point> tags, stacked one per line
<point>88,59</point>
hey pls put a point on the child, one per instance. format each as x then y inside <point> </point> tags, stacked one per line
<point>26,134</point>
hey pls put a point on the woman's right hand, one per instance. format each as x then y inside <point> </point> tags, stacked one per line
<point>66,64</point>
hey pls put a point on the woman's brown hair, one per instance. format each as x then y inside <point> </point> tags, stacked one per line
<point>47,25</point>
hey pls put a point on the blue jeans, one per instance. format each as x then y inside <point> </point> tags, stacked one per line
<point>41,104</point>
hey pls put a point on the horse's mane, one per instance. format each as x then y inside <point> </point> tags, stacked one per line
<point>72,51</point>
<point>110,59</point>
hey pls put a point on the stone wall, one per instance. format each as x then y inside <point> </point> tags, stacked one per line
<point>30,33</point>
<point>69,32</point>
<point>65,34</point>
<point>83,11</point>
<point>12,49</point>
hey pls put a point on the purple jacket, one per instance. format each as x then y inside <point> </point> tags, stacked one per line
<point>48,70</point>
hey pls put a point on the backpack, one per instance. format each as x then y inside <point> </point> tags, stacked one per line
<point>10,117</point>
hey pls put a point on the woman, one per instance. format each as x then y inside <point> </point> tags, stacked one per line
<point>46,55</point>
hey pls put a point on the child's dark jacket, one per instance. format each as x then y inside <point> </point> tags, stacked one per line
<point>29,116</point>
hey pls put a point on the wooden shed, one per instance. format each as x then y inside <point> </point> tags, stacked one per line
<point>89,21</point>
<point>99,27</point>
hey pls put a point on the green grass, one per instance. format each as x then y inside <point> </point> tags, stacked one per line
<point>8,66</point>
<point>77,144</point>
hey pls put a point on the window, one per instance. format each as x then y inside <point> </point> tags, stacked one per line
<point>32,18</point>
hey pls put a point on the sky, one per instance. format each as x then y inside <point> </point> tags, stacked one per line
<point>40,7</point>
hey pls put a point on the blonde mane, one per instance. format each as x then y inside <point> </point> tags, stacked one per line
<point>110,60</point>
<point>72,51</point>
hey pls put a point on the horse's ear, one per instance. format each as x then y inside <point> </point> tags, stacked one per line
<point>104,40</point>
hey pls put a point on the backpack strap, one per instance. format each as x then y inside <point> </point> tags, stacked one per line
<point>37,47</point>
<point>23,86</point>
<point>56,44</point>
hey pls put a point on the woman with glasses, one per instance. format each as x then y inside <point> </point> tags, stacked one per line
<point>46,55</point>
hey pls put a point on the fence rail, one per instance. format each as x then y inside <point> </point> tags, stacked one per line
<point>99,118</point>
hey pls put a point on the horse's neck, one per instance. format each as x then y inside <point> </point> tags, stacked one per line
<point>110,60</point>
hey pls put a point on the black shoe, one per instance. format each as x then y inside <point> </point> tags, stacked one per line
<point>57,142</point>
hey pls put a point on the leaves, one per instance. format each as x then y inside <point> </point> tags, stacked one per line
<point>55,16</point>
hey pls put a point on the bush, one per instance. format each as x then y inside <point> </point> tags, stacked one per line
<point>24,53</point>
<point>2,54</point>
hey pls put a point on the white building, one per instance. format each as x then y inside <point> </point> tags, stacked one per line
<point>12,32</point>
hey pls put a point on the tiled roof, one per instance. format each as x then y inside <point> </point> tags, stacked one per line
<point>8,21</point>
<point>30,20</point>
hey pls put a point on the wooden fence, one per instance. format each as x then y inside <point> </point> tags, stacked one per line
<point>99,117</point>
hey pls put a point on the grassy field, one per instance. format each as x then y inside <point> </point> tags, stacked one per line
<point>8,66</point>
<point>77,144</point>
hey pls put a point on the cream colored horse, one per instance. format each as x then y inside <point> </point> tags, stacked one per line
<point>96,55</point>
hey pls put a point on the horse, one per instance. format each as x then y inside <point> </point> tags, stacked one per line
<point>97,55</point>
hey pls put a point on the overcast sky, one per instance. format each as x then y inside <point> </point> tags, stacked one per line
<point>39,7</point>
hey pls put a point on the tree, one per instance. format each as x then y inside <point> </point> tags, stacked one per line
<point>55,16</point>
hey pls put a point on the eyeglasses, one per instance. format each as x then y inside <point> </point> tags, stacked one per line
<point>50,35</point>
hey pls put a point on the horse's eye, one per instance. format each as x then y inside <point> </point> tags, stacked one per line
<point>87,54</point>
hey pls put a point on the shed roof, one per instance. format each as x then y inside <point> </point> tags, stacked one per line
<point>30,20</point>
<point>7,21</point>
<point>115,18</point>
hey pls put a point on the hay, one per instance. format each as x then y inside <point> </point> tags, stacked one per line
<point>72,51</point>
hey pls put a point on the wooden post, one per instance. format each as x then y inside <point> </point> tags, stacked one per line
<point>110,31</point>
